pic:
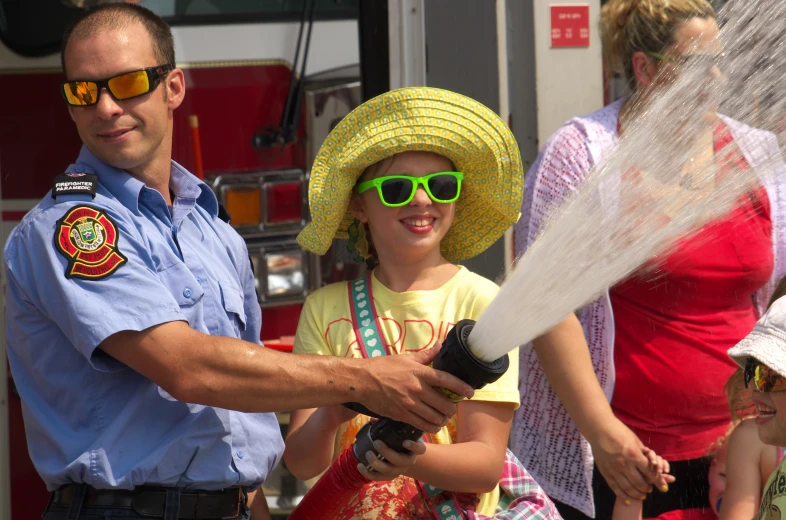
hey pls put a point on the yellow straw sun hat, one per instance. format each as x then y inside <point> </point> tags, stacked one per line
<point>466,132</point>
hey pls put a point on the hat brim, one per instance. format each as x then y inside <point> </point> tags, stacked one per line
<point>473,137</point>
<point>765,344</point>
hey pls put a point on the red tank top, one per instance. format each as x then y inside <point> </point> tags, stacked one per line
<point>674,324</point>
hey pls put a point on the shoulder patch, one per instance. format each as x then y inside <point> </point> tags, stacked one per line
<point>87,237</point>
<point>75,184</point>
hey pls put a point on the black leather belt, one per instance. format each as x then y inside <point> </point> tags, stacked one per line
<point>150,501</point>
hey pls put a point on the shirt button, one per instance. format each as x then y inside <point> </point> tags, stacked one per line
<point>187,292</point>
<point>240,454</point>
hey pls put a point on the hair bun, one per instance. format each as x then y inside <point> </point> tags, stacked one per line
<point>630,26</point>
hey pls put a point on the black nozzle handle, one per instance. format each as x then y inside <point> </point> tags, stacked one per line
<point>456,358</point>
<point>392,433</point>
<point>362,410</point>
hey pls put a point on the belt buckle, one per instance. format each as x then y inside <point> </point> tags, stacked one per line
<point>241,499</point>
<point>210,505</point>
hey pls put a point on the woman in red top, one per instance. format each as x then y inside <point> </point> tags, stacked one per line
<point>655,346</point>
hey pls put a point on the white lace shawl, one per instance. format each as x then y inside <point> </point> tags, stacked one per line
<point>543,436</point>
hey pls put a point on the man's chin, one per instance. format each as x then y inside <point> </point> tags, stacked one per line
<point>116,159</point>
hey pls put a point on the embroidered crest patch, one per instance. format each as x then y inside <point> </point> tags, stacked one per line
<point>87,237</point>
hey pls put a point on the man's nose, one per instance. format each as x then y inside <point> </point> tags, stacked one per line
<point>107,106</point>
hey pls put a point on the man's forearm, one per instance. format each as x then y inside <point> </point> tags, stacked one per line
<point>242,376</point>
<point>234,374</point>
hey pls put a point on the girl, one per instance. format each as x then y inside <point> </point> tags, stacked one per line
<point>417,179</point>
<point>749,461</point>
<point>762,355</point>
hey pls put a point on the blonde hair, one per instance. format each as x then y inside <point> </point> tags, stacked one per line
<point>631,26</point>
<point>719,443</point>
<point>741,406</point>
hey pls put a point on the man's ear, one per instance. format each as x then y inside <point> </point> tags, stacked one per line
<point>644,69</point>
<point>358,208</point>
<point>175,83</point>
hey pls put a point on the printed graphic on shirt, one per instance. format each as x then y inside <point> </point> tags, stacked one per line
<point>773,503</point>
<point>88,239</point>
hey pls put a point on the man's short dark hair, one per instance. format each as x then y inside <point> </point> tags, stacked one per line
<point>117,16</point>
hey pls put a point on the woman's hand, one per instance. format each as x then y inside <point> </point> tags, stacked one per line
<point>620,457</point>
<point>396,464</point>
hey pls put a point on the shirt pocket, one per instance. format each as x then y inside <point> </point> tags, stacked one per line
<point>183,287</point>
<point>232,301</point>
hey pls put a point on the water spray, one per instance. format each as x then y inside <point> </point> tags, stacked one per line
<point>617,222</point>
<point>342,480</point>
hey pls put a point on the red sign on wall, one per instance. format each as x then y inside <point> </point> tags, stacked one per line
<point>569,25</point>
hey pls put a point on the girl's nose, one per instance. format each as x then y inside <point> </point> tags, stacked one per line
<point>421,198</point>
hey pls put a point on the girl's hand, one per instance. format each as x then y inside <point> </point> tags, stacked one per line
<point>396,464</point>
<point>661,465</point>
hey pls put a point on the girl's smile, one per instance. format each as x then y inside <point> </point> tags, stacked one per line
<point>419,224</point>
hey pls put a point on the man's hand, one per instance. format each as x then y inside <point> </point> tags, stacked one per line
<point>402,388</point>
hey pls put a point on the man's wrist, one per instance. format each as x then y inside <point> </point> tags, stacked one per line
<point>358,379</point>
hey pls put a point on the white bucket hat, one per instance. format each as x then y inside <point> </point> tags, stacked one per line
<point>767,341</point>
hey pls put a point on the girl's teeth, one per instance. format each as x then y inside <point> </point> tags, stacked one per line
<point>764,411</point>
<point>418,222</point>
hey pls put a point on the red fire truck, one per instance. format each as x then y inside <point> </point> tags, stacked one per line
<point>266,81</point>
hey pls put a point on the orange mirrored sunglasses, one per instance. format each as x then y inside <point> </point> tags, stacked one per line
<point>764,378</point>
<point>123,86</point>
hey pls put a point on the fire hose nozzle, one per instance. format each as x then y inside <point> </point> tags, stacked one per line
<point>456,358</point>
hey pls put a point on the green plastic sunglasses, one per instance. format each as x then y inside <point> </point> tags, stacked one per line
<point>399,190</point>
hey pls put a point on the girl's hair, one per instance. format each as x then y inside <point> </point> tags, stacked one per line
<point>739,397</point>
<point>741,406</point>
<point>630,26</point>
<point>720,442</point>
<point>371,171</point>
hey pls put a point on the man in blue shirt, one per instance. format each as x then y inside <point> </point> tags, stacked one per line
<point>132,320</point>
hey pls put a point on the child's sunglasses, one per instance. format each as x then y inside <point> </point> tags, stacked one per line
<point>765,378</point>
<point>123,86</point>
<point>399,190</point>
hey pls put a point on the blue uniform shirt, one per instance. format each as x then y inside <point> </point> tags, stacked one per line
<point>88,417</point>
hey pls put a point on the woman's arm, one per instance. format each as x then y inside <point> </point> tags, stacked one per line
<point>742,496</point>
<point>474,463</point>
<point>311,439</point>
<point>565,357</point>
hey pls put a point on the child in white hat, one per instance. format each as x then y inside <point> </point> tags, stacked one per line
<point>762,355</point>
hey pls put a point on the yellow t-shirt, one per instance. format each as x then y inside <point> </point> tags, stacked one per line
<point>409,322</point>
<point>773,502</point>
